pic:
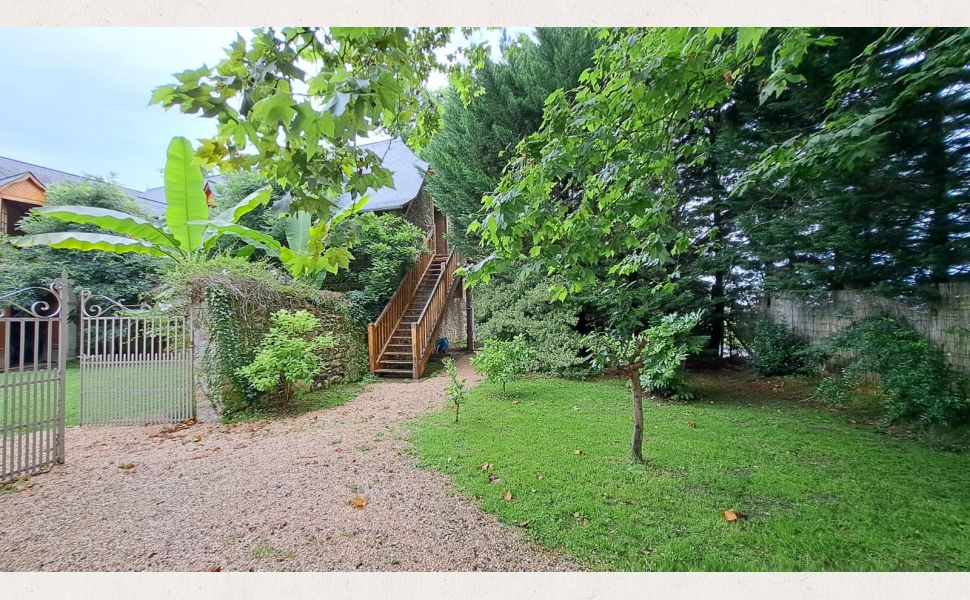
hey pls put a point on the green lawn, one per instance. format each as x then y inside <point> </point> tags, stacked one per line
<point>127,377</point>
<point>818,493</point>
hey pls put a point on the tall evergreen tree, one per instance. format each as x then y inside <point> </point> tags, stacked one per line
<point>470,151</point>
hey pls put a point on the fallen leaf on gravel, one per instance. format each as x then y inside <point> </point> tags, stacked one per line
<point>691,424</point>
<point>198,455</point>
<point>197,438</point>
<point>240,446</point>
<point>507,496</point>
<point>215,569</point>
<point>485,466</point>
<point>126,466</point>
<point>577,452</point>
<point>359,502</point>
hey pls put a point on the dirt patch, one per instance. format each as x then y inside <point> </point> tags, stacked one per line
<point>272,495</point>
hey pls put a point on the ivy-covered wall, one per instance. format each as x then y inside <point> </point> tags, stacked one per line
<point>231,314</point>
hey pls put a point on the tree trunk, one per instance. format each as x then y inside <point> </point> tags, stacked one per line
<point>716,341</point>
<point>637,444</point>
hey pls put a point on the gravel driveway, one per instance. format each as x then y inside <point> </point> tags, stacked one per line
<point>273,495</point>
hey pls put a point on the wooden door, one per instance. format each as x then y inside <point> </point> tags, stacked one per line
<point>441,227</point>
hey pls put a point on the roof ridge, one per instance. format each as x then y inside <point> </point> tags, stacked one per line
<point>23,162</point>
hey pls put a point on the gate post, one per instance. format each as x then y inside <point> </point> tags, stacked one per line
<point>64,293</point>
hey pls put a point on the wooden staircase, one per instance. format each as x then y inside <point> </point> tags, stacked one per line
<point>401,340</point>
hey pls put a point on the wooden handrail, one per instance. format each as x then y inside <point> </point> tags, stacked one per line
<point>380,331</point>
<point>423,330</point>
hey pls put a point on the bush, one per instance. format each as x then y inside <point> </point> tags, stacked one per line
<point>914,382</point>
<point>669,343</point>
<point>287,362</point>
<point>502,361</point>
<point>776,351</point>
<point>386,246</point>
<point>506,308</point>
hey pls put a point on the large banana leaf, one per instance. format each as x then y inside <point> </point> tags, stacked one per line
<point>298,231</point>
<point>185,196</point>
<point>246,205</point>
<point>112,220</point>
<point>251,236</point>
<point>74,240</point>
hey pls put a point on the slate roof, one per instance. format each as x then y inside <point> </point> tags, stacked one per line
<point>11,169</point>
<point>407,169</point>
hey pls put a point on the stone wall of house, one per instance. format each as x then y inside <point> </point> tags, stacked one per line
<point>420,211</point>
<point>454,326</point>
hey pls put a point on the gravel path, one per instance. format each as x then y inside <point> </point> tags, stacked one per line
<point>273,495</point>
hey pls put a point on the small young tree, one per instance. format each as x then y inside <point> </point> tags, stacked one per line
<point>502,361</point>
<point>456,391</point>
<point>287,359</point>
<point>658,352</point>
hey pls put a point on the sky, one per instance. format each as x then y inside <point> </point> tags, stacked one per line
<point>76,99</point>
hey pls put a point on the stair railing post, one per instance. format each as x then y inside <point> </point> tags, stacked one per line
<point>415,359</point>
<point>371,347</point>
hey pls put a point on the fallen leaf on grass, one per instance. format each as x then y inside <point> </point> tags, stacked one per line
<point>732,515</point>
<point>359,502</point>
<point>126,466</point>
<point>579,517</point>
<point>538,476</point>
<point>691,423</point>
<point>577,452</point>
<point>485,466</point>
<point>493,479</point>
<point>524,524</point>
<point>507,496</point>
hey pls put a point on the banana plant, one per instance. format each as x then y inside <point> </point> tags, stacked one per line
<point>186,233</point>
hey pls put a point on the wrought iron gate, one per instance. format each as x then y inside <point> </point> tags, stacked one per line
<point>136,364</point>
<point>34,333</point>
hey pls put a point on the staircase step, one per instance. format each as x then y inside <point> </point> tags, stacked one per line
<point>394,372</point>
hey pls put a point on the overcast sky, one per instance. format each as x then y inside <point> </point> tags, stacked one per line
<point>77,99</point>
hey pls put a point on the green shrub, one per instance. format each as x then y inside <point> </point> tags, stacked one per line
<point>286,361</point>
<point>669,343</point>
<point>386,246</point>
<point>509,307</point>
<point>502,361</point>
<point>914,382</point>
<point>776,351</point>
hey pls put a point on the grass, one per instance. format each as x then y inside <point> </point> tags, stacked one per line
<point>815,491</point>
<point>104,380</point>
